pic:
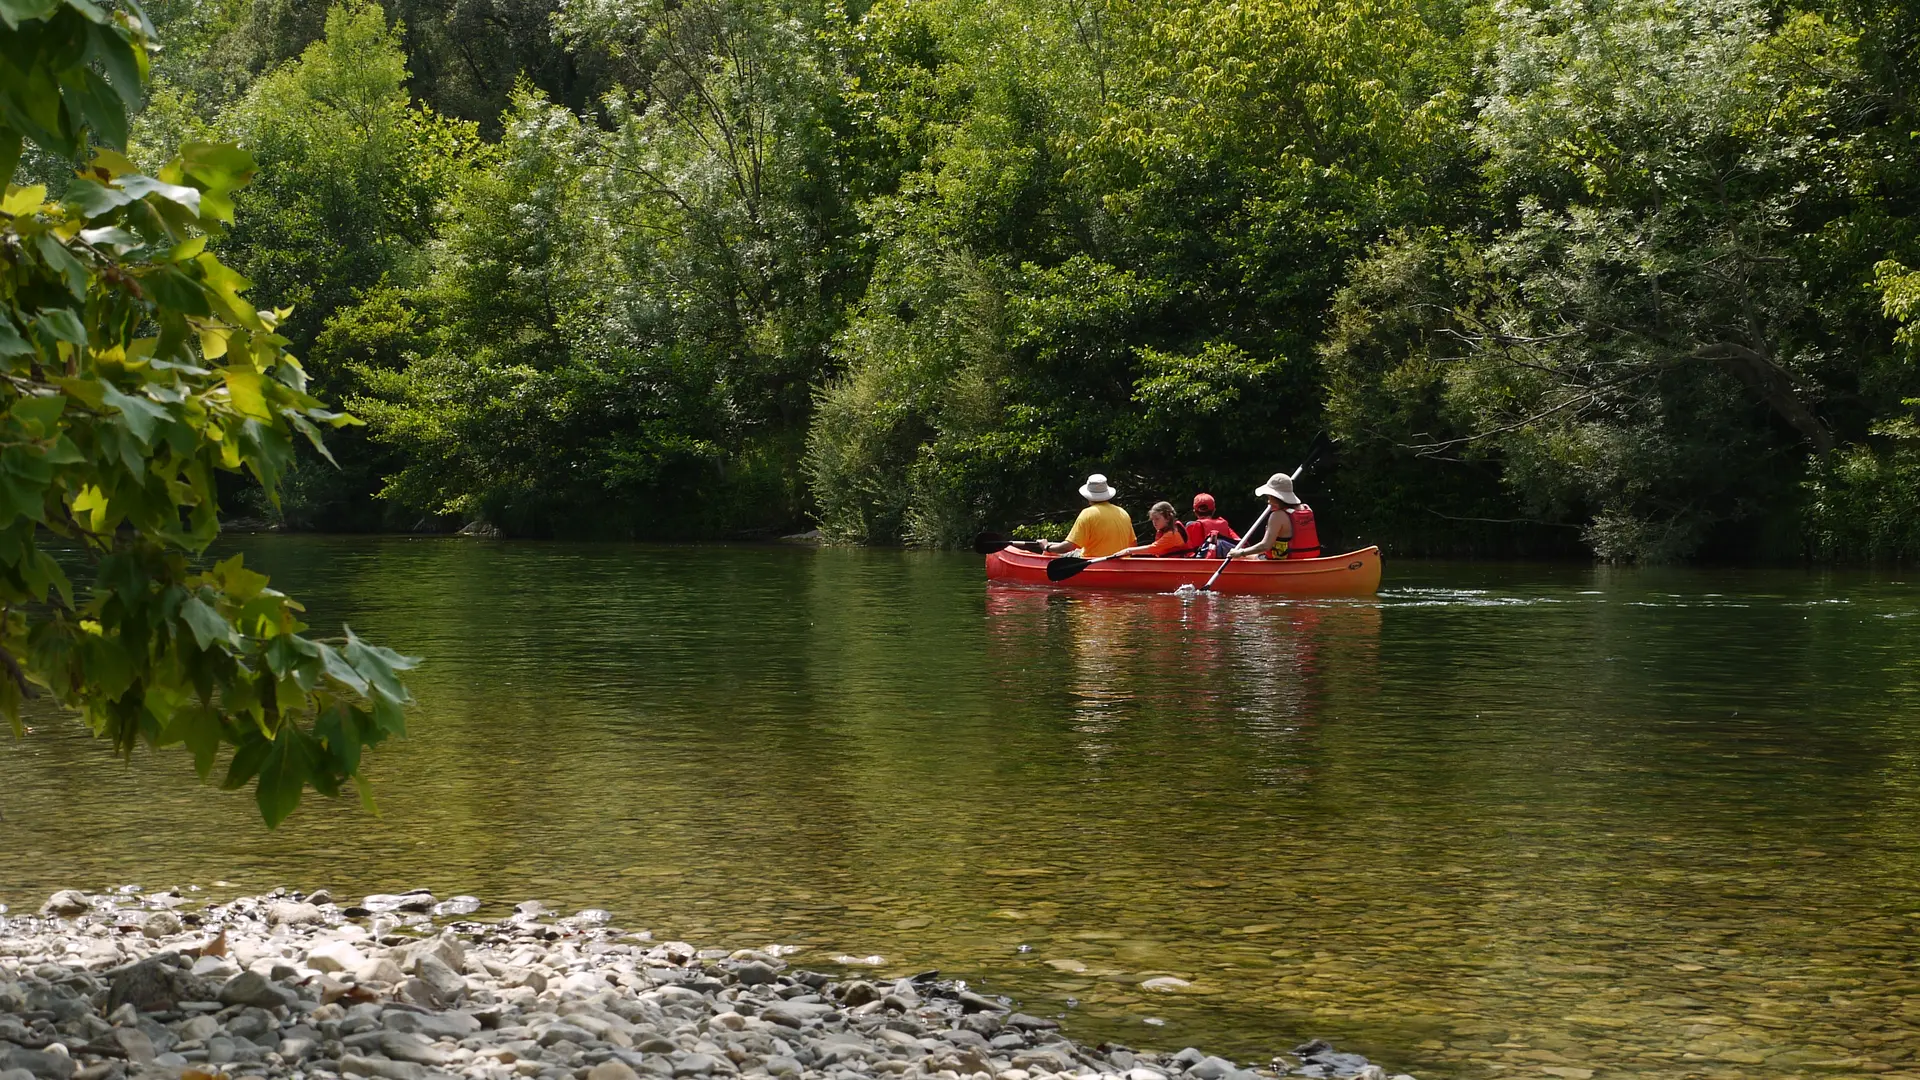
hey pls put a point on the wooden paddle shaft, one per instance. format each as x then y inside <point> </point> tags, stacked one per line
<point>1257,523</point>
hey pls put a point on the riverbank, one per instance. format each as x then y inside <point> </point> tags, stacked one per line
<point>406,987</point>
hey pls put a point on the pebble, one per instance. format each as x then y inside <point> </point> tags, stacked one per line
<point>283,988</point>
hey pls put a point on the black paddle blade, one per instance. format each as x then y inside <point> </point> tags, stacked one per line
<point>988,543</point>
<point>1065,566</point>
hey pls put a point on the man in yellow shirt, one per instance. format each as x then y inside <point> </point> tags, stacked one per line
<point>1101,529</point>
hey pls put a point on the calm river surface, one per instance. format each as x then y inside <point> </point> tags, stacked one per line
<point>1508,820</point>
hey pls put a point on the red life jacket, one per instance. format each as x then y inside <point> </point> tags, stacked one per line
<point>1306,535</point>
<point>1204,530</point>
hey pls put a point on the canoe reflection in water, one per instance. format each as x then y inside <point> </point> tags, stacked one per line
<point>1268,667</point>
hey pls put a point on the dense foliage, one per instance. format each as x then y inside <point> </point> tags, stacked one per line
<point>1626,276</point>
<point>133,370</point>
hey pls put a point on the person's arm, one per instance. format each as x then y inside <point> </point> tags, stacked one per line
<point>1162,544</point>
<point>1279,527</point>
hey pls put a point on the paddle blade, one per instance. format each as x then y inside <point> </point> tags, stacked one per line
<point>987,543</point>
<point>1065,566</point>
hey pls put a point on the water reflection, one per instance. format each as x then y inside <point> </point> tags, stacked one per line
<point>1504,819</point>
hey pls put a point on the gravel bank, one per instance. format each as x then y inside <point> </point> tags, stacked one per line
<point>404,987</point>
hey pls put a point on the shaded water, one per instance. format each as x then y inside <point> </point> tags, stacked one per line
<point>1503,821</point>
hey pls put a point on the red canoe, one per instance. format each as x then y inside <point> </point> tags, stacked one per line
<point>1356,573</point>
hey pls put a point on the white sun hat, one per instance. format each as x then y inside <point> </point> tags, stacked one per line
<point>1280,486</point>
<point>1096,489</point>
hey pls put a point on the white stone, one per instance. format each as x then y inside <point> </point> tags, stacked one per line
<point>612,1069</point>
<point>335,956</point>
<point>382,970</point>
<point>214,967</point>
<point>289,913</point>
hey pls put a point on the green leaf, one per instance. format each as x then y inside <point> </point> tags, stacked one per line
<point>43,574</point>
<point>389,717</point>
<point>220,166</point>
<point>89,11</point>
<point>31,106</point>
<point>246,762</point>
<point>306,427</point>
<point>9,154</point>
<point>339,669</point>
<point>143,186</point>
<point>111,236</point>
<point>199,728</point>
<point>108,667</point>
<point>288,653</point>
<point>21,498</point>
<point>119,59</point>
<point>42,410</point>
<point>171,288</point>
<point>11,343</point>
<point>97,104</point>
<point>378,664</point>
<point>208,625</point>
<point>284,773</point>
<point>339,729</point>
<point>63,263</point>
<point>63,325</point>
<point>15,12</point>
<point>93,199</point>
<point>40,413</point>
<point>64,452</point>
<point>141,414</point>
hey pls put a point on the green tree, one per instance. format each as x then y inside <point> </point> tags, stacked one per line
<point>1118,248</point>
<point>135,370</point>
<point>636,309</point>
<point>1633,339</point>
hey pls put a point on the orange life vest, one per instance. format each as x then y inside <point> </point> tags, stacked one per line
<point>1305,543</point>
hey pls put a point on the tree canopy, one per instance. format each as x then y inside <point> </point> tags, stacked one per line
<point>134,370</point>
<point>1624,276</point>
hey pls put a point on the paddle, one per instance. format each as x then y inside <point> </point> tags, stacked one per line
<point>1255,531</point>
<point>1312,453</point>
<point>1062,567</point>
<point>987,543</point>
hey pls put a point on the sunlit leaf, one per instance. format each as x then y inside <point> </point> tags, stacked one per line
<point>24,200</point>
<point>93,199</point>
<point>141,186</point>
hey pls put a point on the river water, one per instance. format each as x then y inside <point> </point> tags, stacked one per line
<point>1506,820</point>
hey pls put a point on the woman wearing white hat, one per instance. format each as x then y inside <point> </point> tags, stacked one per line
<point>1284,511</point>
<point>1102,529</point>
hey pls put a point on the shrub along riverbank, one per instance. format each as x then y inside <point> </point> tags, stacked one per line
<point>1626,277</point>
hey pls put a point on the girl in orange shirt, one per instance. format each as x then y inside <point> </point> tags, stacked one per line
<point>1169,536</point>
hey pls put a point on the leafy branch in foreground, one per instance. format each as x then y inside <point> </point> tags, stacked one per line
<point>131,369</point>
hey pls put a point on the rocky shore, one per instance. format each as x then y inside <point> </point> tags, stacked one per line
<point>406,987</point>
